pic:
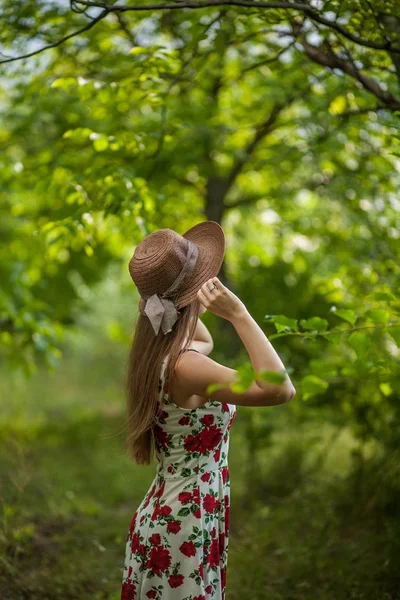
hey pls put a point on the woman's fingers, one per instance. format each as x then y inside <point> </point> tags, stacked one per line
<point>205,288</point>
<point>203,299</point>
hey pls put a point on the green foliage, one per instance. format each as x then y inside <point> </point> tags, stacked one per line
<point>287,132</point>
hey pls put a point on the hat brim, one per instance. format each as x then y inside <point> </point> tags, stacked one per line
<point>210,239</point>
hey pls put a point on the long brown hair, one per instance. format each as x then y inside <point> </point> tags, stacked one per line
<point>145,358</point>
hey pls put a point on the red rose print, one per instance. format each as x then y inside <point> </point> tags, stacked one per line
<point>208,589</point>
<point>128,591</point>
<point>210,437</point>
<point>202,597</point>
<point>164,415</point>
<point>210,503</point>
<point>142,549</point>
<point>156,513</point>
<point>217,454</point>
<point>161,436</point>
<point>159,559</point>
<point>176,580</point>
<point>133,524</point>
<point>208,419</point>
<point>155,539</point>
<point>153,489</point>
<point>185,497</point>
<point>192,443</point>
<point>201,570</point>
<point>196,495</point>
<point>213,556</point>
<point>170,469</point>
<point>135,542</point>
<point>188,549</point>
<point>197,513</point>
<point>213,532</point>
<point>225,407</point>
<point>174,526</point>
<point>130,572</point>
<point>184,421</point>
<point>151,594</point>
<point>161,489</point>
<point>166,510</point>
<point>224,472</point>
<point>206,476</point>
<point>221,542</point>
<point>223,578</point>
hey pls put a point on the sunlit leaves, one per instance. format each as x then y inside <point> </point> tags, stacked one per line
<point>314,323</point>
<point>394,332</point>
<point>312,385</point>
<point>346,314</point>
<point>283,323</point>
<point>100,143</point>
<point>378,315</point>
<point>360,341</point>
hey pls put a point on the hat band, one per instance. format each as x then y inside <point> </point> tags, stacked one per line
<point>159,309</point>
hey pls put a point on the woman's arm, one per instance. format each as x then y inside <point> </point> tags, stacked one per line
<point>202,340</point>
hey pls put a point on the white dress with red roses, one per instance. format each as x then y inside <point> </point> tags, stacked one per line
<point>177,544</point>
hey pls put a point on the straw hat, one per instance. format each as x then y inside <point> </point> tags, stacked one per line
<point>168,269</point>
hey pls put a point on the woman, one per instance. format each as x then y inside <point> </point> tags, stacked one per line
<point>177,543</point>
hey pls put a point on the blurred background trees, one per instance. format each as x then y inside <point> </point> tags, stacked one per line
<point>282,125</point>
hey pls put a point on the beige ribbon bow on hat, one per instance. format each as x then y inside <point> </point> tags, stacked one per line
<point>161,311</point>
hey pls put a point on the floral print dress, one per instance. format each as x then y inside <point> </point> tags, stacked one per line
<point>177,543</point>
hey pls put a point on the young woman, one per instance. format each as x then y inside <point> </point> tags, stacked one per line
<point>177,543</point>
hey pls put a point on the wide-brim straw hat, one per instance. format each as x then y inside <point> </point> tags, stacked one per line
<point>159,258</point>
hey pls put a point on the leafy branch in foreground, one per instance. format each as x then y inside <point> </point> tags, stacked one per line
<point>355,339</point>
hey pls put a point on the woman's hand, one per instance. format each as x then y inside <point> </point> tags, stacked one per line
<point>221,301</point>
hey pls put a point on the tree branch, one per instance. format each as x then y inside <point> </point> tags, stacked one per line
<point>324,56</point>
<point>88,26</point>
<point>287,5</point>
<point>261,131</point>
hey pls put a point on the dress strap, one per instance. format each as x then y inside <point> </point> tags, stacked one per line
<point>161,387</point>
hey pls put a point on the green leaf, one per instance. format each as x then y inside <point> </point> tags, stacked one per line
<point>283,323</point>
<point>338,105</point>
<point>386,388</point>
<point>382,296</point>
<point>360,341</point>
<point>64,83</point>
<point>184,511</point>
<point>246,376</point>
<point>79,134</point>
<point>215,386</point>
<point>346,314</point>
<point>272,376</point>
<point>378,315</point>
<point>394,333</point>
<point>314,323</point>
<point>101,143</point>
<point>139,50</point>
<point>333,336</point>
<point>312,385</point>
